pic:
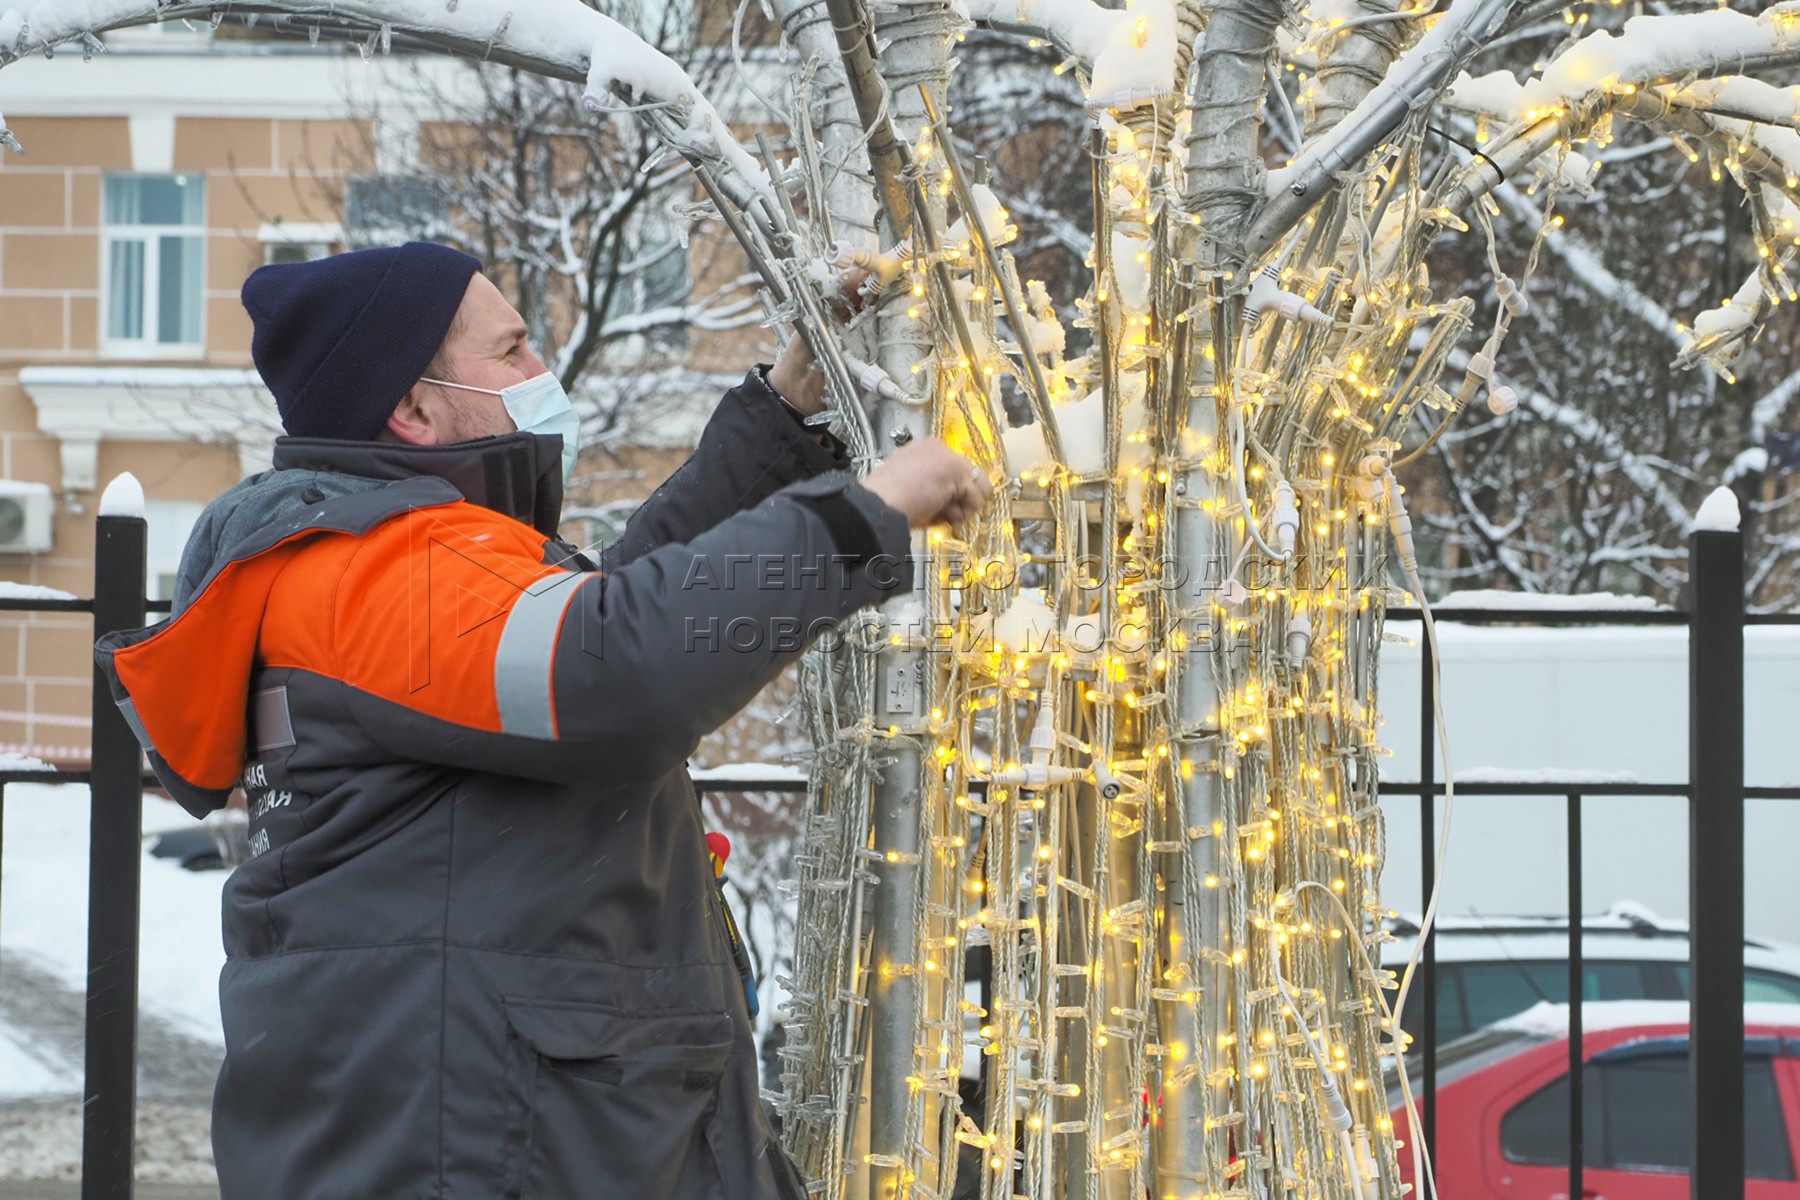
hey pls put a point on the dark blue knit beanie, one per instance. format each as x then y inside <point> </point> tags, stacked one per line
<point>340,340</point>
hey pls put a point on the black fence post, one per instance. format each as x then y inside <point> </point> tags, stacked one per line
<point>1716,861</point>
<point>1577,994</point>
<point>1427,982</point>
<point>115,855</point>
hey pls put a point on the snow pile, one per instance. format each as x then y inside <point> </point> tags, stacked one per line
<point>1027,624</point>
<point>562,33</point>
<point>10,761</point>
<point>123,497</point>
<point>1083,428</point>
<point>1736,317</point>
<point>1718,512</point>
<point>30,1067</point>
<point>8,140</point>
<point>994,219</point>
<point>45,914</point>
<point>1138,63</point>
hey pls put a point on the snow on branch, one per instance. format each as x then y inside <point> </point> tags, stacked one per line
<point>1689,52</point>
<point>8,140</point>
<point>1080,26</point>
<point>1412,84</point>
<point>1131,51</point>
<point>564,39</point>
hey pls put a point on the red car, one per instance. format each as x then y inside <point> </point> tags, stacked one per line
<point>1503,1105</point>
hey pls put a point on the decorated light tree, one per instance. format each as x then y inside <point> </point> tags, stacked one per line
<point>1123,735</point>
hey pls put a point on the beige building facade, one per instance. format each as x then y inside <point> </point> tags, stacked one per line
<point>154,181</point>
<point>152,184</point>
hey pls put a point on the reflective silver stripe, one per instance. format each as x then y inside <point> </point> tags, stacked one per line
<point>522,664</point>
<point>271,720</point>
<point>128,710</point>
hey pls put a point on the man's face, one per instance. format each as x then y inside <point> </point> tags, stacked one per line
<point>485,349</point>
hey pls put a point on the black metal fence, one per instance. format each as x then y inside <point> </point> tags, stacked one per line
<point>1715,789</point>
<point>1715,620</point>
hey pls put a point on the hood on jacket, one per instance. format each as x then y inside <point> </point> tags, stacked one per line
<point>516,474</point>
<point>192,722</point>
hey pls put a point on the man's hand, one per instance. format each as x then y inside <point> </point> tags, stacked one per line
<point>930,484</point>
<point>794,374</point>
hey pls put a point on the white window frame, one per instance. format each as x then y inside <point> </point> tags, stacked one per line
<point>149,235</point>
<point>316,241</point>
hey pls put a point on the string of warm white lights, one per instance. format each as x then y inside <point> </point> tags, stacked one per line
<point>1124,735</point>
<point>1135,705</point>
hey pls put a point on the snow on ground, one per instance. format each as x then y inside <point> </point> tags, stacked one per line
<point>29,1068</point>
<point>43,966</point>
<point>43,907</point>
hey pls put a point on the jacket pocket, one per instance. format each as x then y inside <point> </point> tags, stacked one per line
<point>608,1105</point>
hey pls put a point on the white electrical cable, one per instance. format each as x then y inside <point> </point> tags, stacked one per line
<point>1401,526</point>
<point>1243,492</point>
<point>1338,1111</point>
<point>1391,1016</point>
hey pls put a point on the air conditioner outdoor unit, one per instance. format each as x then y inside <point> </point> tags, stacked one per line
<point>26,510</point>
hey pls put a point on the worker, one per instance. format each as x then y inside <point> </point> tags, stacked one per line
<point>478,950</point>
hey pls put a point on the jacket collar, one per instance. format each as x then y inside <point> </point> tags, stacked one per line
<point>518,475</point>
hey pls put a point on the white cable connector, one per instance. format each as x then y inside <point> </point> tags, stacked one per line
<point>875,381</point>
<point>1481,365</point>
<point>1367,482</point>
<point>1287,518</point>
<point>1233,593</point>
<point>1336,1110</point>
<point>1043,733</point>
<point>1299,640</point>
<point>1502,400</point>
<point>1401,525</point>
<point>1105,782</point>
<point>1266,295</point>
<point>1512,296</point>
<point>1035,777</point>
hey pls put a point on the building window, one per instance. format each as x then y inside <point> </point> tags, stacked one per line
<point>154,257</point>
<point>287,242</point>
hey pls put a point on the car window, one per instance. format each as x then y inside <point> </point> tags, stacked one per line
<point>1638,1117</point>
<point>1497,990</point>
<point>1759,986</point>
<point>1768,987</point>
<point>1494,991</point>
<point>1646,1114</point>
<point>1452,1022</point>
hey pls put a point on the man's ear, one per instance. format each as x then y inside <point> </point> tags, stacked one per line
<point>412,419</point>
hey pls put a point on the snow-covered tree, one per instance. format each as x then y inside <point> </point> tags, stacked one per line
<point>1124,732</point>
<point>585,222</point>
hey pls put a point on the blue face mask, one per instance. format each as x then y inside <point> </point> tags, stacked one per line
<point>538,405</point>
